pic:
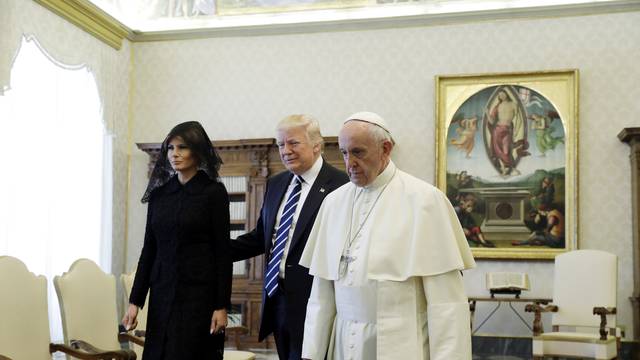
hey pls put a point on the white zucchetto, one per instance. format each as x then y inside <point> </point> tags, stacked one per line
<point>371,118</point>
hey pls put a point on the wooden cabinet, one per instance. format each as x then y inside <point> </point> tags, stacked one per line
<point>251,161</point>
<point>631,136</point>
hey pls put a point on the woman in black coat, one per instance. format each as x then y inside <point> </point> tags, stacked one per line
<point>185,261</point>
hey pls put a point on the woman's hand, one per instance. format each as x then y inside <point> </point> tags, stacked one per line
<point>218,321</point>
<point>130,319</point>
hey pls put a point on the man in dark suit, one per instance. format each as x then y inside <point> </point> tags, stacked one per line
<point>290,205</point>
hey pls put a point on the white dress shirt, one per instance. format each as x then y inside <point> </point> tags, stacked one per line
<point>308,178</point>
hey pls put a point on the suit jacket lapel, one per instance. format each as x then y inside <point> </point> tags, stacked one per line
<point>273,203</point>
<point>313,201</point>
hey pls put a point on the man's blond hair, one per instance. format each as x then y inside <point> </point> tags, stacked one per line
<point>310,124</point>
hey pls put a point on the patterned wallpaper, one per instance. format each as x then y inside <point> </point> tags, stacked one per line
<point>239,87</point>
<point>121,158</point>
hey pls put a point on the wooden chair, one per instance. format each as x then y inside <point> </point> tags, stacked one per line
<point>584,297</point>
<point>88,308</point>
<point>24,324</point>
<point>235,331</point>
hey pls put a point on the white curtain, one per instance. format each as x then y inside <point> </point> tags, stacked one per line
<point>55,200</point>
<point>67,44</point>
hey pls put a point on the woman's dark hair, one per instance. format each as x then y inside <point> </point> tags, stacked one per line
<point>194,136</point>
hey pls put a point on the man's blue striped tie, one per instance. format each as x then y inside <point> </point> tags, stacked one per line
<point>273,267</point>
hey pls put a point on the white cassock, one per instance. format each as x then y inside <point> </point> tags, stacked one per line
<point>387,285</point>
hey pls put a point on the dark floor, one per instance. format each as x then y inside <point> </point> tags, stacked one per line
<point>505,348</point>
<point>499,348</point>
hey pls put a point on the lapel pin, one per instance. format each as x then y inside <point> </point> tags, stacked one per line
<point>322,190</point>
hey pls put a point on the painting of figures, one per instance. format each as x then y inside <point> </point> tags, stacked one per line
<point>506,151</point>
<point>242,7</point>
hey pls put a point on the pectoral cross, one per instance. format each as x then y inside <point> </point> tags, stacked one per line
<point>345,260</point>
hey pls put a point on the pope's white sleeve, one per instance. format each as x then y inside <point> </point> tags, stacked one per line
<point>448,317</point>
<point>318,325</point>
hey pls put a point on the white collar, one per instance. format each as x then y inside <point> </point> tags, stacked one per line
<point>310,175</point>
<point>384,177</point>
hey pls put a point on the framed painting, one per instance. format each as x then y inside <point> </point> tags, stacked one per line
<point>245,7</point>
<point>507,160</point>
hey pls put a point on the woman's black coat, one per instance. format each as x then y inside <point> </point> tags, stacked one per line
<point>186,265</point>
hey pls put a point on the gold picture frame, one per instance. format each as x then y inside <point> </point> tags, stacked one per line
<point>507,159</point>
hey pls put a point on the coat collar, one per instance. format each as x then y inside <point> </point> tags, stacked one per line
<point>195,185</point>
<point>315,197</point>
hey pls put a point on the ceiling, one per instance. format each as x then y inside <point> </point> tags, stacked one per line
<point>112,21</point>
<point>163,16</point>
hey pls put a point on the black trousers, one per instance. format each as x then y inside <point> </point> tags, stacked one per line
<point>289,345</point>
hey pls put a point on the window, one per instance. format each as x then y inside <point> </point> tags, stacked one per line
<point>55,187</point>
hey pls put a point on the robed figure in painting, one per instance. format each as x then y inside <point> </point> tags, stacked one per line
<point>545,139</point>
<point>505,131</point>
<point>466,135</point>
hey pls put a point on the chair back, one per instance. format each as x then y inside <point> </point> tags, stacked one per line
<point>24,319</point>
<point>88,307</point>
<point>127,282</point>
<point>584,279</point>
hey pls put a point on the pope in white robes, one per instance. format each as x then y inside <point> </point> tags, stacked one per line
<point>386,252</point>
